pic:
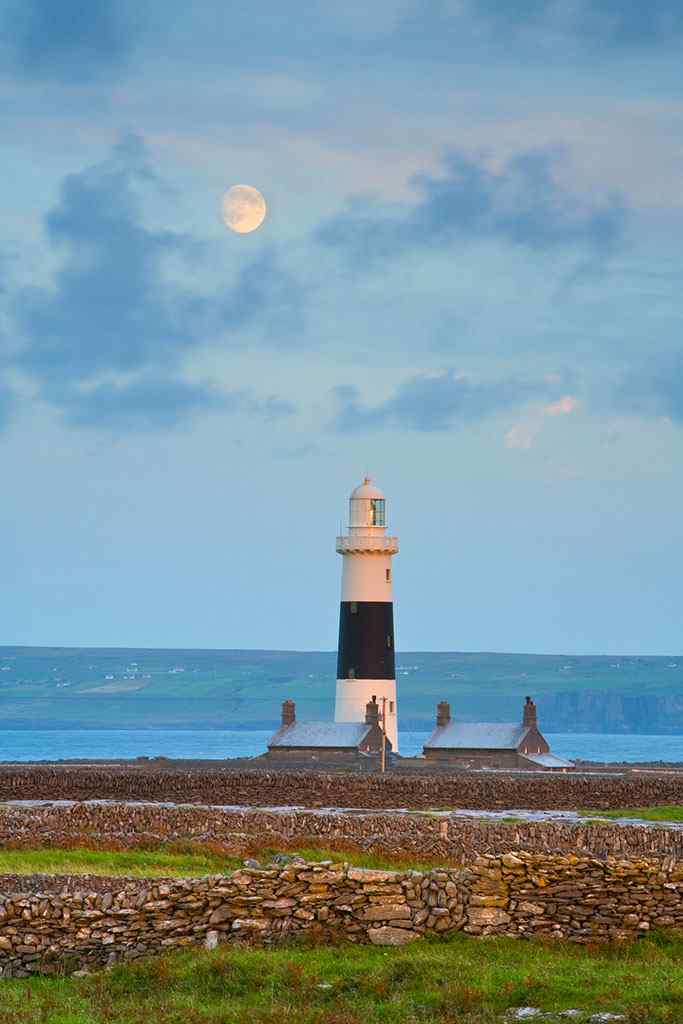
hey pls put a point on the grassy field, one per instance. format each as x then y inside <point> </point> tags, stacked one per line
<point>194,861</point>
<point>442,981</point>
<point>670,812</point>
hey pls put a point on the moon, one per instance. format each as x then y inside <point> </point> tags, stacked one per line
<point>243,208</point>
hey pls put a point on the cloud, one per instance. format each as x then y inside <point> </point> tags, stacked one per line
<point>158,402</point>
<point>432,403</point>
<point>523,435</point>
<point>656,389</point>
<point>606,23</point>
<point>114,311</point>
<point>265,289</point>
<point>6,404</point>
<point>563,406</point>
<point>111,308</point>
<point>523,204</point>
<point>69,40</point>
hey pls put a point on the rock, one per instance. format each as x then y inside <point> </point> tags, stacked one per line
<point>388,936</point>
<point>482,916</point>
<point>488,901</point>
<point>511,862</point>
<point>530,908</point>
<point>211,940</point>
<point>387,913</point>
<point>368,875</point>
<point>220,915</point>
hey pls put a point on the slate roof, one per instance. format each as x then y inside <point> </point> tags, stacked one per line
<point>321,734</point>
<point>477,735</point>
<point>549,761</point>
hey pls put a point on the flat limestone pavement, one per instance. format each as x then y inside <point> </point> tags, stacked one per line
<point>267,788</point>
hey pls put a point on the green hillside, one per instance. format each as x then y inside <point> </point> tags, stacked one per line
<point>126,688</point>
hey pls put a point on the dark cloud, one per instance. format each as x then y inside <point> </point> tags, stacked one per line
<point>431,403</point>
<point>523,204</point>
<point>77,40</point>
<point>656,389</point>
<point>69,40</point>
<point>113,310</point>
<point>596,23</point>
<point>264,287</point>
<point>149,403</point>
<point>157,402</point>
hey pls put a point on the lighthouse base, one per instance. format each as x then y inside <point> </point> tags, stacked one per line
<point>354,694</point>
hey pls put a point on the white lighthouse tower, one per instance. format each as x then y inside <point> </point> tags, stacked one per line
<point>365,661</point>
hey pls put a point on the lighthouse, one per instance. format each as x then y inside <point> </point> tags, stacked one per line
<point>366,666</point>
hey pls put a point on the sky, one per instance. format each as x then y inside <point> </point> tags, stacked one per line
<point>468,285</point>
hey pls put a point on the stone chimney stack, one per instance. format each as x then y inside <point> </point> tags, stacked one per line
<point>529,712</point>
<point>372,712</point>
<point>443,713</point>
<point>288,712</point>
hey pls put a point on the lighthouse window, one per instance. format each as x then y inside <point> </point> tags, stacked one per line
<point>388,575</point>
<point>377,515</point>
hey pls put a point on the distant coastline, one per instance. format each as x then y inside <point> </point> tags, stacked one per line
<point>241,690</point>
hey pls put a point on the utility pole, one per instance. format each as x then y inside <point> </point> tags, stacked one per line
<point>384,735</point>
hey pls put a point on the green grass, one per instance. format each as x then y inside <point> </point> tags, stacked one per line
<point>440,981</point>
<point>190,862</point>
<point>139,863</point>
<point>665,812</point>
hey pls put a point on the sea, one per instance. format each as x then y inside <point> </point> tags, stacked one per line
<point>18,745</point>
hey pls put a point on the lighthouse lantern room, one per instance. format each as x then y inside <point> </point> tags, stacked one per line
<point>365,662</point>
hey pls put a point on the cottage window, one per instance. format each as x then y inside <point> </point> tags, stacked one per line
<point>354,607</point>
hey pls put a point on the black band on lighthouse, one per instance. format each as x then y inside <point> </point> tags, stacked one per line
<point>366,640</point>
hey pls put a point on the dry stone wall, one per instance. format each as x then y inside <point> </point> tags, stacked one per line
<point>239,830</point>
<point>520,894</point>
<point>267,788</point>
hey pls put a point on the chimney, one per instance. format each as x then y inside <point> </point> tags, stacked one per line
<point>372,712</point>
<point>288,712</point>
<point>529,712</point>
<point>443,713</point>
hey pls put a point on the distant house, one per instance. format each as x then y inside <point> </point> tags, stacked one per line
<point>492,744</point>
<point>327,741</point>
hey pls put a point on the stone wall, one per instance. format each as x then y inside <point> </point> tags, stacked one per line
<point>518,894</point>
<point>268,788</point>
<point>240,830</point>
